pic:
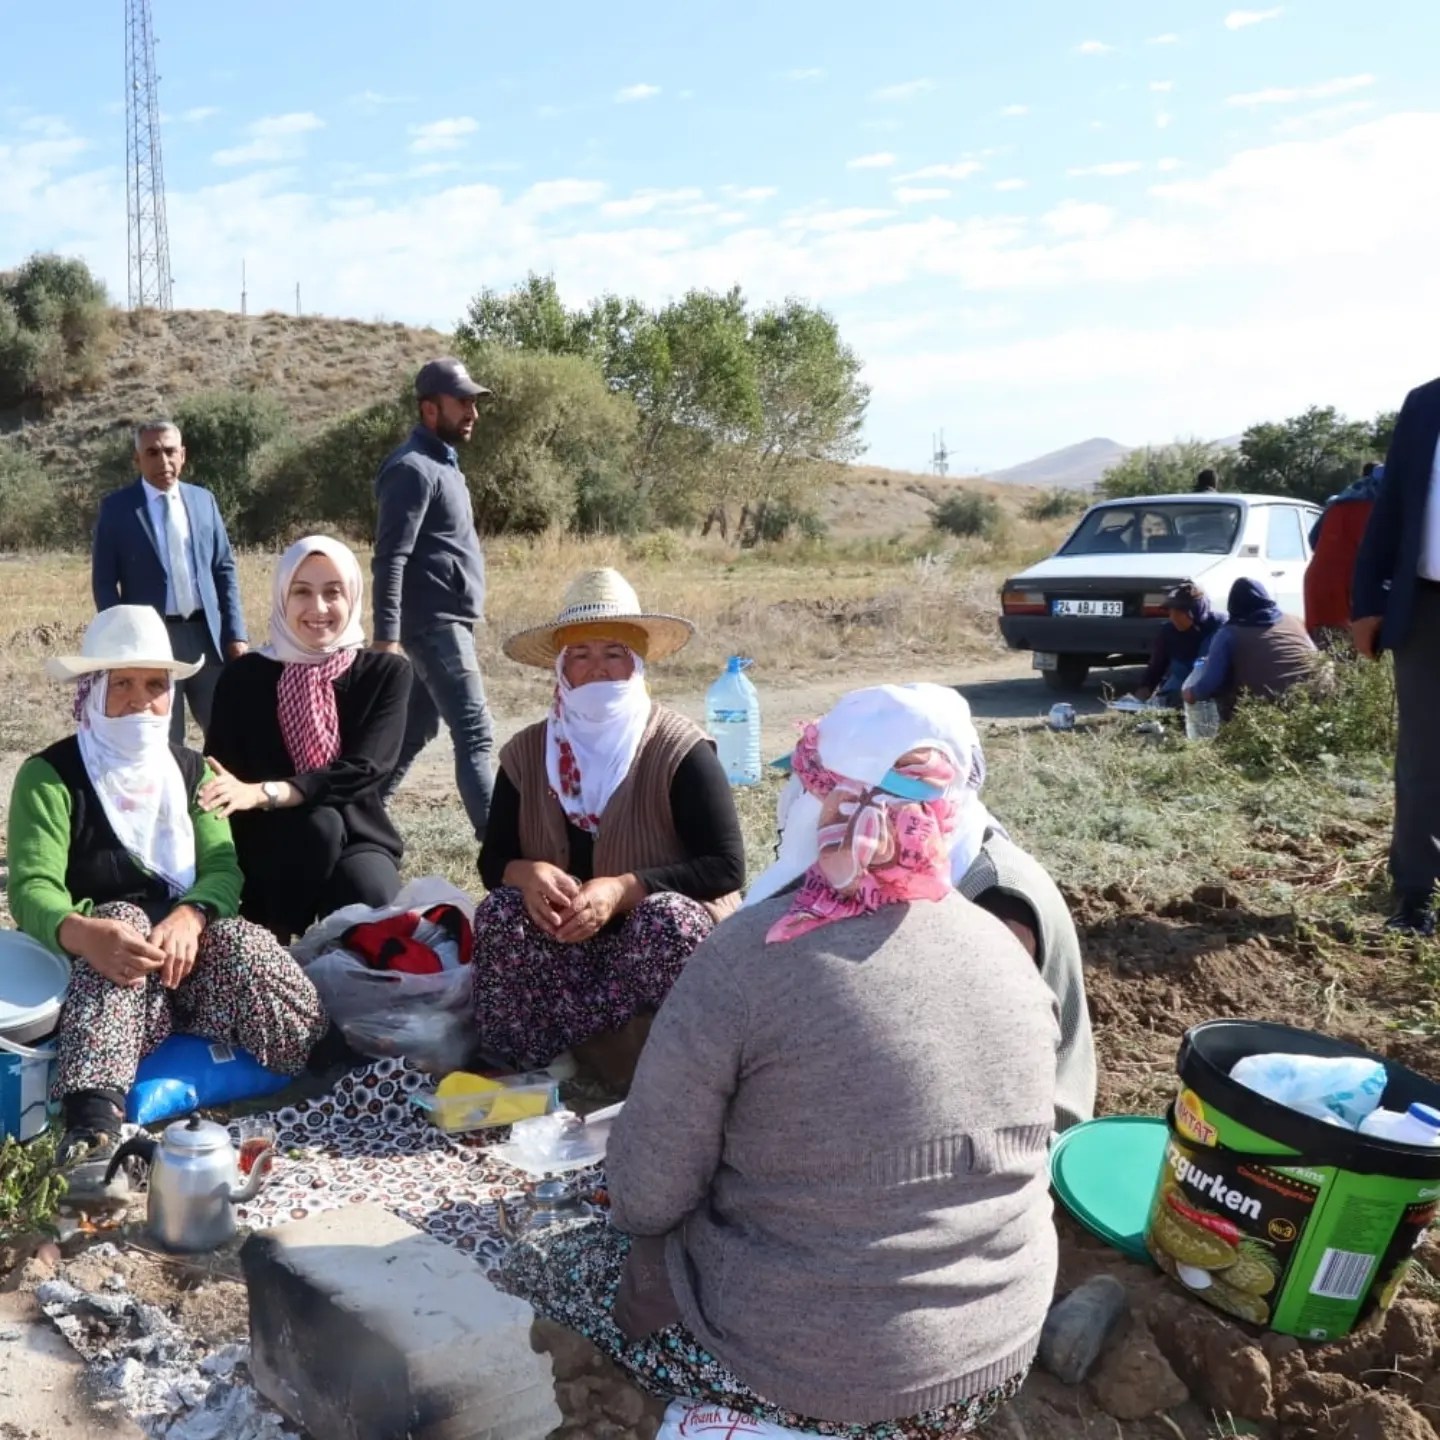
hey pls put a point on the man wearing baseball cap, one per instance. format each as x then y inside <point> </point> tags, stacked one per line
<point>429,576</point>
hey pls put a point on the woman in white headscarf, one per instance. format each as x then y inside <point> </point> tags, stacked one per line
<point>115,862</point>
<point>990,869</point>
<point>612,846</point>
<point>829,1189</point>
<point>304,735</point>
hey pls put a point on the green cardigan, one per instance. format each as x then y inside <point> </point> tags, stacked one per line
<point>38,844</point>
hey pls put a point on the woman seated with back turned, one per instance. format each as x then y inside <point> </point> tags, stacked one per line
<point>829,1191</point>
<point>115,861</point>
<point>304,735</point>
<point>613,845</point>
<point>1261,651</point>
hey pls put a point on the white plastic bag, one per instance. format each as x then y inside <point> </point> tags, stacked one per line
<point>425,1018</point>
<point>686,1419</point>
<point>1340,1089</point>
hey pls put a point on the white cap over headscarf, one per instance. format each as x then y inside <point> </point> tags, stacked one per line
<point>860,739</point>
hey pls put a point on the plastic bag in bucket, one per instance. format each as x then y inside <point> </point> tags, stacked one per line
<point>1278,1218</point>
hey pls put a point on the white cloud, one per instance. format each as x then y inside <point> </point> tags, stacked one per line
<point>437,135</point>
<point>1343,85</point>
<point>1163,120</point>
<point>749,192</point>
<point>1168,164</point>
<point>272,138</point>
<point>880,160</point>
<point>1015,111</point>
<point>1169,38</point>
<point>1074,218</point>
<point>632,93</point>
<point>907,90</point>
<point>809,73</point>
<point>376,100</point>
<point>962,170</point>
<point>1162,87</point>
<point>1093,47</point>
<point>1107,169</point>
<point>918,194</point>
<point>1327,115</point>
<point>644,202</point>
<point>1243,19</point>
<point>198,114</point>
<point>1012,184</point>
<point>434,167</point>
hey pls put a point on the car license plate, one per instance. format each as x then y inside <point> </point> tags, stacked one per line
<point>1044,660</point>
<point>1110,609</point>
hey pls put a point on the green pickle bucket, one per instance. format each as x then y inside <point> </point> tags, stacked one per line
<point>1276,1218</point>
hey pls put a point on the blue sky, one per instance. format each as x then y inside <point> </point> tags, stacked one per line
<point>1036,223</point>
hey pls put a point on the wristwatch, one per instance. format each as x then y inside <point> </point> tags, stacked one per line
<point>271,789</point>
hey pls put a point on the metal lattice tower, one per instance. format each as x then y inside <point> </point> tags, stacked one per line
<point>146,236</point>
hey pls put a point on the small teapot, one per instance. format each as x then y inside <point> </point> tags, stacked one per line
<point>193,1183</point>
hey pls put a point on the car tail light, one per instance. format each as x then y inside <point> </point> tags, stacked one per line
<point>1152,606</point>
<point>1022,602</point>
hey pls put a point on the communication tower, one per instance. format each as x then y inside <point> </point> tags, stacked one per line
<point>147,239</point>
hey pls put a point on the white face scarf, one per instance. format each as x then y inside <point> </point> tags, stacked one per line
<point>591,740</point>
<point>141,790</point>
<point>861,738</point>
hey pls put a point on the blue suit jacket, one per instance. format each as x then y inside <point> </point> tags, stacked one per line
<point>1388,565</point>
<point>126,567</point>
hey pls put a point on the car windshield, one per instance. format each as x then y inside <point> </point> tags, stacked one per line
<point>1150,528</point>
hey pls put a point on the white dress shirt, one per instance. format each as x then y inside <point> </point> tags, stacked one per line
<point>165,512</point>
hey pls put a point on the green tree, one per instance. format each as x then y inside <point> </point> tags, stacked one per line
<point>27,501</point>
<point>1309,456</point>
<point>225,432</point>
<point>1166,469</point>
<point>55,328</point>
<point>530,317</point>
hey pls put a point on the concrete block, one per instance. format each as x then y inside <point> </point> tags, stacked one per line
<point>363,1328</point>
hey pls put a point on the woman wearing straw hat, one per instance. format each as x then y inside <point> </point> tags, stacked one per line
<point>613,845</point>
<point>114,862</point>
<point>829,1189</point>
<point>306,733</point>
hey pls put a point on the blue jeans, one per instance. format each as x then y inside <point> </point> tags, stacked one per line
<point>448,686</point>
<point>1170,687</point>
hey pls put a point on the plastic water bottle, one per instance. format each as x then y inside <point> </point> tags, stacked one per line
<point>732,716</point>
<point>1419,1125</point>
<point>1202,719</point>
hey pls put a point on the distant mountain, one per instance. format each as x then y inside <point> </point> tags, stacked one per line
<point>1076,467</point>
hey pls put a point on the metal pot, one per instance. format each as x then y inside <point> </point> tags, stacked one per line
<point>193,1183</point>
<point>551,1202</point>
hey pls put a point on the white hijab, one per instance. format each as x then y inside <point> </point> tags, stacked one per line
<point>141,790</point>
<point>601,725</point>
<point>861,738</point>
<point>285,645</point>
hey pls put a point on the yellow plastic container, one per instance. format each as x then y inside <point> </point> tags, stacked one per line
<point>463,1102</point>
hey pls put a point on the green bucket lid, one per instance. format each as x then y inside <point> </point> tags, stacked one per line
<point>1105,1172</point>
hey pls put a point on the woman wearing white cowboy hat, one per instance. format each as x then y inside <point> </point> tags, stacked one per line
<point>114,862</point>
<point>613,845</point>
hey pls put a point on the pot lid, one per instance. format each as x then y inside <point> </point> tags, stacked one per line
<point>1105,1172</point>
<point>196,1136</point>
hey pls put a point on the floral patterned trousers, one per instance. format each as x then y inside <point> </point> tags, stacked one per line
<point>571,1274</point>
<point>245,990</point>
<point>536,997</point>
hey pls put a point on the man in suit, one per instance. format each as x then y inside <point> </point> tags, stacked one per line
<point>1396,607</point>
<point>163,544</point>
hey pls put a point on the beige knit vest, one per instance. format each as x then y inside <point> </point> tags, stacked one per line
<point>637,829</point>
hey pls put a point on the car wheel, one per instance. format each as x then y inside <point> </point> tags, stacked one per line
<point>1069,673</point>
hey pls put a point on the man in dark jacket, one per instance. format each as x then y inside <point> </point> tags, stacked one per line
<point>1260,651</point>
<point>429,576</point>
<point>1180,642</point>
<point>1396,607</point>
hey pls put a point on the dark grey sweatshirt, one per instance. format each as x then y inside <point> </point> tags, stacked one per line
<point>428,568</point>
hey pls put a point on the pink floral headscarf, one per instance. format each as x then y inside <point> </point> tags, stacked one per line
<point>876,848</point>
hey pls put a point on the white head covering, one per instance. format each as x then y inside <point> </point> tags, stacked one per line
<point>285,645</point>
<point>861,738</point>
<point>130,764</point>
<point>599,726</point>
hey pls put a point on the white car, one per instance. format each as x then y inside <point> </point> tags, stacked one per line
<point>1099,599</point>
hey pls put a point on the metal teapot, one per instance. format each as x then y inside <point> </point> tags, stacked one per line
<point>193,1183</point>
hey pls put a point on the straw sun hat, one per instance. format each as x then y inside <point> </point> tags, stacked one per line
<point>124,637</point>
<point>601,602</point>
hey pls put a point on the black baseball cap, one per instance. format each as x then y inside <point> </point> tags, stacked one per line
<point>447,376</point>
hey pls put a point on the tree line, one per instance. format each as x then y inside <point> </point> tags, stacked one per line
<point>1311,456</point>
<point>704,412</point>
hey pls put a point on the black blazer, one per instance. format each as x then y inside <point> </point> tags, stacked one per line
<point>1388,565</point>
<point>371,700</point>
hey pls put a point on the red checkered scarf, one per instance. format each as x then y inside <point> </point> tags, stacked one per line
<point>309,721</point>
